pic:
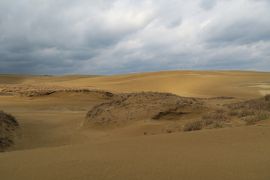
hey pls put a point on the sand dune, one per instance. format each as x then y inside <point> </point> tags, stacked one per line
<point>183,83</point>
<point>124,109</point>
<point>57,142</point>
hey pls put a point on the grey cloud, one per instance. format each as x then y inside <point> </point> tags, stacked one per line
<point>58,32</point>
<point>240,32</point>
<point>122,36</point>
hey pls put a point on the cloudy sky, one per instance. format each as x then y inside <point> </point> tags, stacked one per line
<point>124,36</point>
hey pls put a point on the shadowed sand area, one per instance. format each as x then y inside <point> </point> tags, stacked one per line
<point>55,141</point>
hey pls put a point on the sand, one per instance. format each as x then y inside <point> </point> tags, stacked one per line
<point>55,145</point>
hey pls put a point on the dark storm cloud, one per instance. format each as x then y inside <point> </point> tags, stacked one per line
<point>105,37</point>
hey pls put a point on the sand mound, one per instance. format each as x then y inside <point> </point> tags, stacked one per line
<point>8,129</point>
<point>130,107</point>
<point>188,113</point>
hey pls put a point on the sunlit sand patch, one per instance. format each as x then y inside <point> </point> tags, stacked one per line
<point>193,74</point>
<point>264,92</point>
<point>201,75</point>
<point>262,87</point>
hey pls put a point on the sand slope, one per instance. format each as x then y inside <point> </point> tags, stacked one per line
<point>241,153</point>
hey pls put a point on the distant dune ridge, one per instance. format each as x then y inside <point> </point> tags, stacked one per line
<point>243,84</point>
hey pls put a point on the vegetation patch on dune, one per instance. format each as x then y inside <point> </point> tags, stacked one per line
<point>216,119</point>
<point>252,111</point>
<point>130,107</point>
<point>39,91</point>
<point>198,113</point>
<point>249,112</point>
<point>8,130</point>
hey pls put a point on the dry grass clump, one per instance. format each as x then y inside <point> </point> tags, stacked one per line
<point>193,126</point>
<point>251,111</point>
<point>8,127</point>
<point>242,113</point>
<point>7,119</point>
<point>251,120</point>
<point>267,97</point>
<point>5,143</point>
<point>262,104</point>
<point>214,119</point>
<point>47,92</point>
<point>37,93</point>
<point>219,114</point>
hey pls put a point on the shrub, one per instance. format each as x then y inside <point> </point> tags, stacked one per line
<point>8,127</point>
<point>214,119</point>
<point>193,126</point>
<point>218,125</point>
<point>267,97</point>
<point>251,120</point>
<point>233,113</point>
<point>4,143</point>
<point>8,119</point>
<point>218,115</point>
<point>245,113</point>
<point>255,104</point>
